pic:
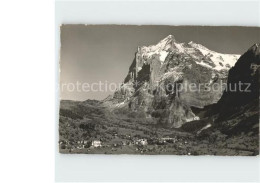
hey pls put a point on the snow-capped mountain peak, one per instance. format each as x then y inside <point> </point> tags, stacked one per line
<point>220,60</point>
<point>169,61</point>
<point>166,41</point>
<point>159,48</point>
<point>200,54</point>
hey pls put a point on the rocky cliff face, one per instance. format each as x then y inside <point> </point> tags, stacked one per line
<point>242,87</point>
<point>236,114</point>
<point>166,79</point>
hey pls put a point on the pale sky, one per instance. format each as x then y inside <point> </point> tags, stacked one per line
<point>94,53</point>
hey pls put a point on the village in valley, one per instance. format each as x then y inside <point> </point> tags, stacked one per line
<point>103,132</point>
<point>136,145</point>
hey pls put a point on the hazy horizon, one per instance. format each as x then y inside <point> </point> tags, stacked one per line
<point>93,53</point>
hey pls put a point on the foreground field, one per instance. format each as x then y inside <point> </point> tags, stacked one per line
<point>90,128</point>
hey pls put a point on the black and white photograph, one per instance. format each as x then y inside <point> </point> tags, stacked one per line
<point>155,90</point>
<point>130,91</point>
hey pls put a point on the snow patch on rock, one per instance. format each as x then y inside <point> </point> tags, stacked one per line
<point>179,47</point>
<point>220,60</point>
<point>163,55</point>
<point>204,128</point>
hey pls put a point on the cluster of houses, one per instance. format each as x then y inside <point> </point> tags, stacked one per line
<point>81,144</point>
<point>141,142</point>
<point>96,143</point>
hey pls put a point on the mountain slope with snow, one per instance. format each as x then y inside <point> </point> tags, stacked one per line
<point>218,61</point>
<point>154,77</point>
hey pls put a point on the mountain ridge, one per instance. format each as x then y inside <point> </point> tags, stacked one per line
<point>169,62</point>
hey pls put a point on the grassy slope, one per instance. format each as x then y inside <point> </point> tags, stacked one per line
<point>118,131</point>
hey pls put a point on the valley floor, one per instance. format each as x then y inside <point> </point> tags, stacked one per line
<point>233,148</point>
<point>103,132</point>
